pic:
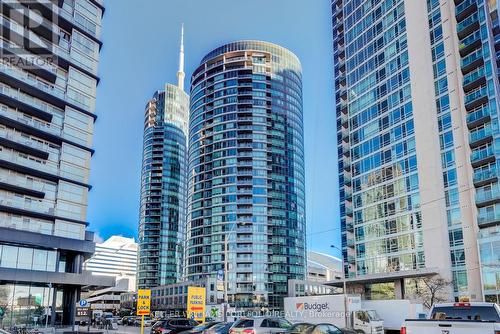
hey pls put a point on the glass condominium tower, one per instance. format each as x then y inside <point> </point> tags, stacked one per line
<point>163,185</point>
<point>48,80</point>
<point>246,207</point>
<point>417,122</point>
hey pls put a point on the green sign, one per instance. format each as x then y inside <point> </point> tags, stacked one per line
<point>2,311</point>
<point>214,312</point>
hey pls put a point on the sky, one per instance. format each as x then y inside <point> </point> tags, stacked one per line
<point>140,54</point>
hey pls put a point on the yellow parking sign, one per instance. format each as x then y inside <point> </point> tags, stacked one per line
<point>196,303</point>
<point>143,302</point>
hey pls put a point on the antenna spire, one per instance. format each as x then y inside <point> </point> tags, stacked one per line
<point>180,73</point>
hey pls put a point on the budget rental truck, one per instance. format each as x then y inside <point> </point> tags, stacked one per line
<point>343,311</point>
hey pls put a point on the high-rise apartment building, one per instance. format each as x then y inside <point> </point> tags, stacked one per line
<point>417,121</point>
<point>163,185</point>
<point>48,79</point>
<point>246,206</point>
<point>489,238</point>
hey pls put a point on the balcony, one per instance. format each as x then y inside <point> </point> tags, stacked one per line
<point>480,137</point>
<point>350,243</point>
<point>465,9</point>
<point>349,226</point>
<point>346,150</point>
<point>468,25</point>
<point>347,178</point>
<point>19,184</point>
<point>482,177</point>
<point>482,156</point>
<point>15,116</point>
<point>15,141</point>
<point>478,116</point>
<point>348,210</point>
<point>45,166</point>
<point>347,164</point>
<point>36,43</point>
<point>474,79</point>
<point>488,218</point>
<point>19,33</point>
<point>476,98</point>
<point>344,120</point>
<point>472,61</point>
<point>470,43</point>
<point>19,75</point>
<point>345,135</point>
<point>29,62</point>
<point>27,204</point>
<point>488,197</point>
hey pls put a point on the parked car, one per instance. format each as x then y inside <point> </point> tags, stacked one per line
<point>298,328</point>
<point>307,328</point>
<point>128,320</point>
<point>173,326</point>
<point>220,328</point>
<point>201,327</point>
<point>260,325</point>
<point>329,329</point>
<point>148,322</point>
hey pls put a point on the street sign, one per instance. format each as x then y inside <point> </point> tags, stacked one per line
<point>2,311</point>
<point>82,312</point>
<point>83,303</point>
<point>196,303</point>
<point>143,302</point>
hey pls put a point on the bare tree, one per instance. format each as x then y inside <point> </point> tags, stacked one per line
<point>432,290</point>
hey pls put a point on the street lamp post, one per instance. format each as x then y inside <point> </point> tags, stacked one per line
<point>225,275</point>
<point>344,285</point>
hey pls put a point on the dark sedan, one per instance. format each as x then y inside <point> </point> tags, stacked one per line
<point>307,328</point>
<point>220,328</point>
<point>173,326</point>
<point>200,328</point>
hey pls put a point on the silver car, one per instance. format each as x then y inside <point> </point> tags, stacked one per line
<point>260,325</point>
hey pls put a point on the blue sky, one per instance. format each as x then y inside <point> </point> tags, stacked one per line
<point>140,54</point>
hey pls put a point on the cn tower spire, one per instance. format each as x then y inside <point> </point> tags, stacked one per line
<point>180,73</point>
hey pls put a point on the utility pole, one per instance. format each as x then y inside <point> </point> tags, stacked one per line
<point>344,287</point>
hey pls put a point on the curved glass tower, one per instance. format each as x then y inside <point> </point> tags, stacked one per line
<point>163,185</point>
<point>246,205</point>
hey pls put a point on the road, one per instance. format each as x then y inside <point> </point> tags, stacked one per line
<point>120,330</point>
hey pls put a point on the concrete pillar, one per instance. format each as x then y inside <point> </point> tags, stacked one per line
<point>53,308</point>
<point>399,288</point>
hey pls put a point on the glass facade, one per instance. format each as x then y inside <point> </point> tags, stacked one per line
<point>163,189</point>
<point>48,80</point>
<point>379,189</point>
<point>489,247</point>
<point>378,94</point>
<point>26,304</point>
<point>246,205</point>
